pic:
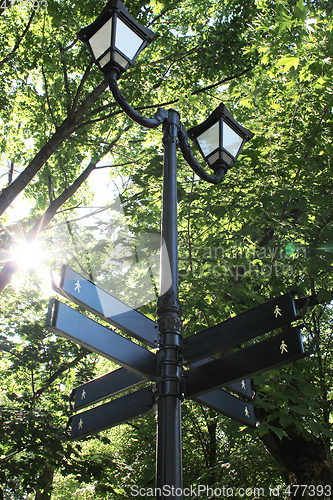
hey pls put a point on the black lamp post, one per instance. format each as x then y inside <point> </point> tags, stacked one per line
<point>115,40</point>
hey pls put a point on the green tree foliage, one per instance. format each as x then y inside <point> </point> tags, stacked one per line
<point>265,230</point>
<point>33,410</point>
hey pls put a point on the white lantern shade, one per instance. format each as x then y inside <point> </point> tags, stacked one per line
<point>100,42</point>
<point>115,38</point>
<point>220,138</point>
<point>209,141</point>
<point>127,42</point>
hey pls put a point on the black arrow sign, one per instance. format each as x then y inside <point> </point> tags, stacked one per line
<point>262,319</point>
<point>110,414</point>
<point>244,388</point>
<point>246,362</point>
<point>74,326</point>
<point>93,298</point>
<point>102,387</point>
<point>230,406</point>
<point>119,380</point>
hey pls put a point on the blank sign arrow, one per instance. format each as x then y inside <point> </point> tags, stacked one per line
<point>74,326</point>
<point>245,387</point>
<point>105,386</point>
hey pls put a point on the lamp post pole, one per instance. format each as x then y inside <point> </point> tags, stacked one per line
<point>115,40</point>
<point>169,439</point>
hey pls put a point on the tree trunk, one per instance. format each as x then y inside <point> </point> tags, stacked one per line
<point>69,125</point>
<point>45,482</point>
<point>212,450</point>
<point>304,462</point>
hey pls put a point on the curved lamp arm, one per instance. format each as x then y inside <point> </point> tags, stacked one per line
<point>194,164</point>
<point>160,116</point>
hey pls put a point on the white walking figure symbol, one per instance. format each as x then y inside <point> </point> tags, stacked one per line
<point>80,424</point>
<point>277,311</point>
<point>77,287</point>
<point>243,384</point>
<point>283,347</point>
<point>246,411</point>
<point>83,395</point>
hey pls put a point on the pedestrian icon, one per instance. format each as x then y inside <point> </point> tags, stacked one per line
<point>77,287</point>
<point>80,424</point>
<point>243,384</point>
<point>277,311</point>
<point>83,394</point>
<point>246,412</point>
<point>283,347</point>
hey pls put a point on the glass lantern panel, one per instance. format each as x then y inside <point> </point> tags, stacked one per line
<point>227,158</point>
<point>209,140</point>
<point>212,159</point>
<point>105,59</point>
<point>101,40</point>
<point>127,41</point>
<point>120,60</point>
<point>231,140</point>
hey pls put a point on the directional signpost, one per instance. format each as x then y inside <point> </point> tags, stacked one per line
<point>88,295</point>
<point>262,319</point>
<point>93,336</point>
<point>115,412</point>
<point>107,385</point>
<point>257,358</point>
<point>166,367</point>
<point>204,377</point>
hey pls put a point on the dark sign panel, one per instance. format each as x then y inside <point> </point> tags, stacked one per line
<point>246,362</point>
<point>93,298</point>
<point>119,380</point>
<point>244,388</point>
<point>111,414</point>
<point>74,326</point>
<point>230,406</point>
<point>233,332</point>
<point>102,387</point>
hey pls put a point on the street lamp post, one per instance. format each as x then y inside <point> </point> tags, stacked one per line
<point>115,39</point>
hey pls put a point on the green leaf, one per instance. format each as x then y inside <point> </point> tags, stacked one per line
<point>288,62</point>
<point>300,10</point>
<point>325,295</point>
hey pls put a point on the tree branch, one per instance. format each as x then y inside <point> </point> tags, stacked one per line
<point>48,98</point>
<point>228,79</point>
<point>66,83</point>
<point>11,267</point>
<point>102,108</point>
<point>68,126</point>
<point>18,43</point>
<point>80,87</point>
<point>58,373</point>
